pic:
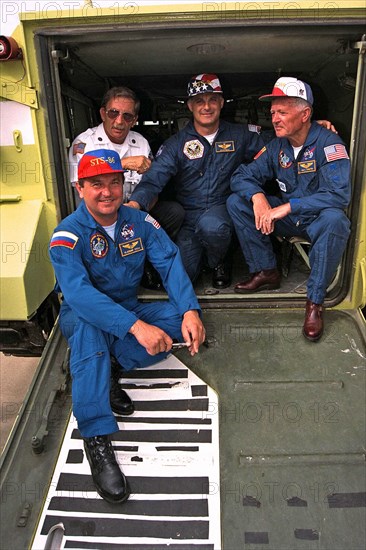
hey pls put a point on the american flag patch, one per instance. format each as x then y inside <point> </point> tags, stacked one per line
<point>78,148</point>
<point>152,220</point>
<point>335,152</point>
<point>64,238</point>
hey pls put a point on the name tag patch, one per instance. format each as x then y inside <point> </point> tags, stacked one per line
<point>224,147</point>
<point>131,247</point>
<point>306,167</point>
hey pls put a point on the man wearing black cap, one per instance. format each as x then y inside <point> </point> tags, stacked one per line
<point>312,169</point>
<point>201,158</point>
<point>98,253</point>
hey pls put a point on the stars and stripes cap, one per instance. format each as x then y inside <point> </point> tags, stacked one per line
<point>100,161</point>
<point>288,86</point>
<point>204,83</point>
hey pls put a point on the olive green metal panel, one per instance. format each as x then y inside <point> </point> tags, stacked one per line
<point>22,172</point>
<point>26,272</point>
<point>292,429</point>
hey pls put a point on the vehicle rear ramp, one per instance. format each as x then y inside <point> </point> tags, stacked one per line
<point>291,420</point>
<point>168,450</point>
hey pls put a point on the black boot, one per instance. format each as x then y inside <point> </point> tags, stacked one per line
<point>119,400</point>
<point>151,278</point>
<point>108,479</point>
<point>221,276</point>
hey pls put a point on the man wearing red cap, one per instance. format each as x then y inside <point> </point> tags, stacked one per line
<point>98,253</point>
<point>312,168</point>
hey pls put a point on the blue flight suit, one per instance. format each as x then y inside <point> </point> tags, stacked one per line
<point>201,175</point>
<point>99,278</point>
<point>317,186</point>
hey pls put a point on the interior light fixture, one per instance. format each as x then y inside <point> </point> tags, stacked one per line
<point>206,49</point>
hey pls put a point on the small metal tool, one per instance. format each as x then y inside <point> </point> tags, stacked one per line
<point>179,345</point>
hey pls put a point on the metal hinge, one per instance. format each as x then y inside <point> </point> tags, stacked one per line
<point>15,91</point>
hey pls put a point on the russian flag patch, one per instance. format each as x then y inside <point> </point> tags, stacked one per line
<point>64,238</point>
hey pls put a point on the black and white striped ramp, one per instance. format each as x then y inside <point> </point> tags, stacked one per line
<point>169,451</point>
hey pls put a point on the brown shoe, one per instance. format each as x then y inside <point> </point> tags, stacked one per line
<point>313,324</point>
<point>267,279</point>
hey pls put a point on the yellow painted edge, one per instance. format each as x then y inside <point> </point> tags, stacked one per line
<point>303,8</point>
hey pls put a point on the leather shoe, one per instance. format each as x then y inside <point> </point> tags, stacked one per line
<point>109,481</point>
<point>221,276</point>
<point>267,279</point>
<point>313,324</point>
<point>120,402</point>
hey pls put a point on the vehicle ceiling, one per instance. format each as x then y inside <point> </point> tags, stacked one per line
<point>157,62</point>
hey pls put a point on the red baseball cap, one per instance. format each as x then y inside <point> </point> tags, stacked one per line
<point>100,161</point>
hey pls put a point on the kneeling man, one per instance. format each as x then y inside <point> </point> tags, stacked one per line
<point>98,254</point>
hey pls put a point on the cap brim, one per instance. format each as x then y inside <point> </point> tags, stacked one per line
<point>206,92</point>
<point>269,97</point>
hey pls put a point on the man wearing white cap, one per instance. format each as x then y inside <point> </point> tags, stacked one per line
<point>312,169</point>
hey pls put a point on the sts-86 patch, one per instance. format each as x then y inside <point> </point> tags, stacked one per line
<point>98,245</point>
<point>284,160</point>
<point>131,247</point>
<point>193,149</point>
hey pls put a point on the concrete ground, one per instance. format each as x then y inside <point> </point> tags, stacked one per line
<point>16,374</point>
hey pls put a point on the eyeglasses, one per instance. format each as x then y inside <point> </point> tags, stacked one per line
<point>114,113</point>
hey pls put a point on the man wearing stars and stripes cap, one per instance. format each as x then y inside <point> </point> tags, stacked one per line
<point>200,159</point>
<point>312,168</point>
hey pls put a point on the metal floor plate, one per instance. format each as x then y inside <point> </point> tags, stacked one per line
<point>292,429</point>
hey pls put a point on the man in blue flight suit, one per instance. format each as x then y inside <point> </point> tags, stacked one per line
<point>312,169</point>
<point>201,158</point>
<point>98,253</point>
